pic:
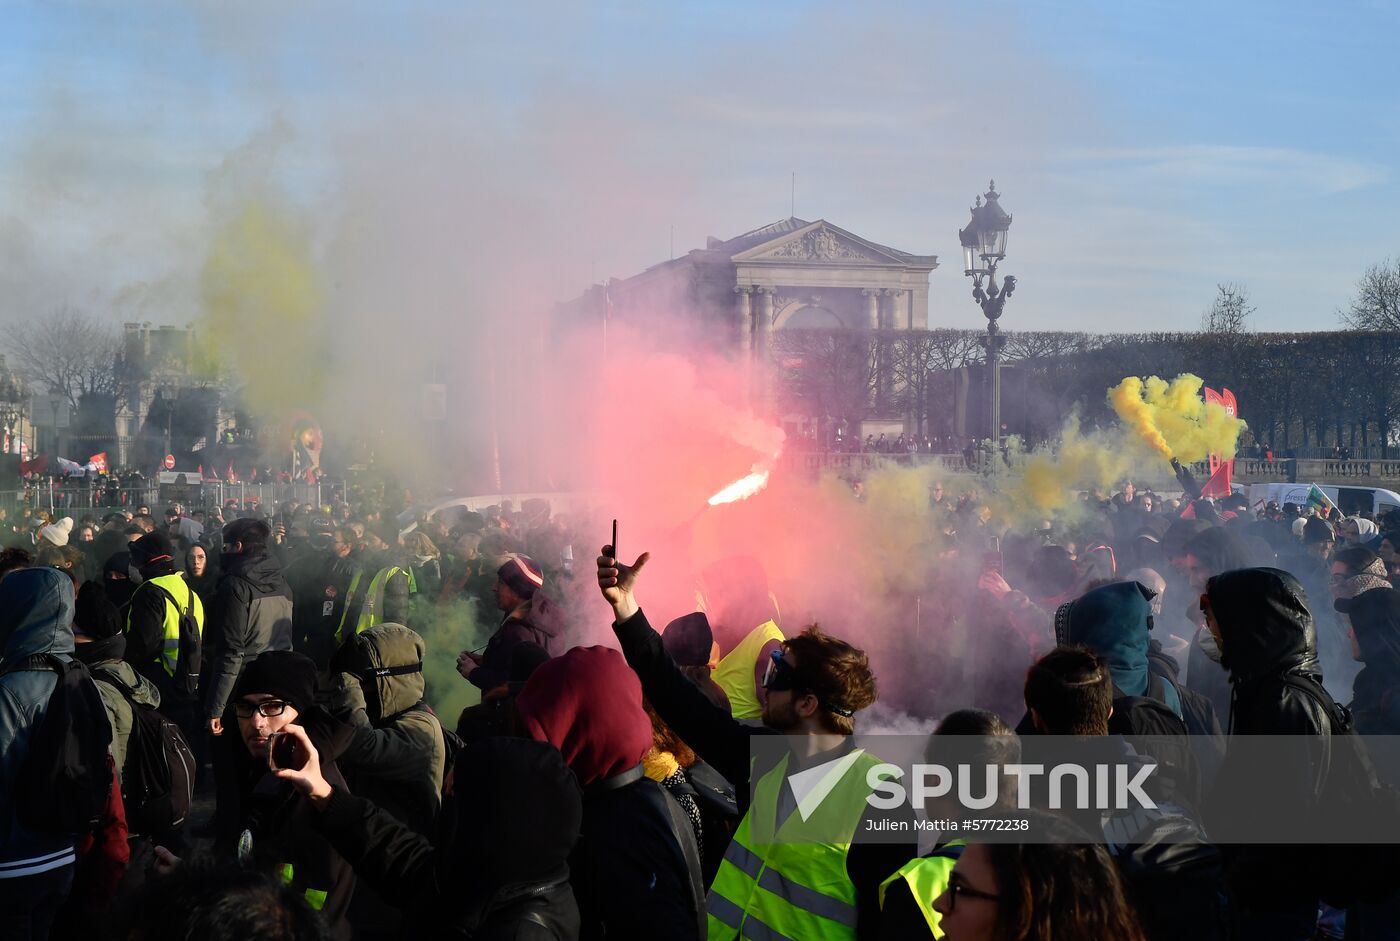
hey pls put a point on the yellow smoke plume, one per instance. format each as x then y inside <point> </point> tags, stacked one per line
<point>1048,483</point>
<point>263,304</point>
<point>1173,419</point>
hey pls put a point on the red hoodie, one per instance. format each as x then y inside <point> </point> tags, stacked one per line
<point>588,704</point>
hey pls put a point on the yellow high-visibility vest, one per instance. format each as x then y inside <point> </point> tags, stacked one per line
<point>927,878</point>
<point>735,671</point>
<point>789,881</point>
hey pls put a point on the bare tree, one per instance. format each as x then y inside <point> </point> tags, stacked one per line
<point>1376,305</point>
<point>829,373</point>
<point>1230,312</point>
<point>68,353</point>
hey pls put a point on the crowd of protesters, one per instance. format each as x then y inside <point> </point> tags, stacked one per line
<point>613,791</point>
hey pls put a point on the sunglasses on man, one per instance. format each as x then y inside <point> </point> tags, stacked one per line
<point>780,677</point>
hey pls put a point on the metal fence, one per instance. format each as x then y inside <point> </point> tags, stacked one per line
<point>57,496</point>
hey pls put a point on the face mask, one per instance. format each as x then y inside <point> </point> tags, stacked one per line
<point>1208,645</point>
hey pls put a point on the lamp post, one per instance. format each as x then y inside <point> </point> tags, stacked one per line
<point>984,240</point>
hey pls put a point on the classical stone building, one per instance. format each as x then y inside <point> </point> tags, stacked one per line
<point>736,293</point>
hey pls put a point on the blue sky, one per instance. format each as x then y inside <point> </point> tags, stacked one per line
<point>507,154</point>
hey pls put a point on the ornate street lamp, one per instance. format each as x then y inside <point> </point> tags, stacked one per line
<point>984,241</point>
<point>9,416</point>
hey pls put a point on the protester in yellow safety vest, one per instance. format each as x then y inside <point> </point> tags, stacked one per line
<point>974,737</point>
<point>376,599</point>
<point>802,864</point>
<point>744,618</point>
<point>153,642</point>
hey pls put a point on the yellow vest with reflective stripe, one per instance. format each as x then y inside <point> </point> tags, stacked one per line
<point>789,881</point>
<point>734,674</point>
<point>181,591</point>
<point>371,611</point>
<point>345,610</point>
<point>316,898</point>
<point>927,877</point>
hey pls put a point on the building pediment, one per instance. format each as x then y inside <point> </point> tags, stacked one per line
<point>821,243</point>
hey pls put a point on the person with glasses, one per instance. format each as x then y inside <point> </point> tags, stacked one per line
<point>811,875</point>
<point>261,817</point>
<point>1065,887</point>
<point>973,736</point>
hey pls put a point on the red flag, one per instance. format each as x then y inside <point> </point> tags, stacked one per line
<point>99,462</point>
<point>1219,484</point>
<point>1190,512</point>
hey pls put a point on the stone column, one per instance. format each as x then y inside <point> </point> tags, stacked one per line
<point>763,352</point>
<point>872,307</point>
<point>893,309</point>
<point>745,317</point>
<point>745,314</point>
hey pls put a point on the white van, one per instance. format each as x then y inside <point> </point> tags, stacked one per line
<point>1350,500</point>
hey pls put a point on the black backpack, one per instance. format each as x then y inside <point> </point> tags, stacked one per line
<point>186,678</point>
<point>1172,872</point>
<point>158,778</point>
<point>1155,731</point>
<point>64,781</point>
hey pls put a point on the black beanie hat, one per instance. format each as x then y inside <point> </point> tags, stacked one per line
<point>288,675</point>
<point>94,615</point>
<point>688,639</point>
<point>152,548</point>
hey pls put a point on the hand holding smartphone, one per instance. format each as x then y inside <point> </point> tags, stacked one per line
<point>283,751</point>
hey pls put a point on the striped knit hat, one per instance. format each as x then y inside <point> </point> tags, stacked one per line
<point>522,575</point>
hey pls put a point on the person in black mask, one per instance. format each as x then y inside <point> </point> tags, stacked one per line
<point>119,580</point>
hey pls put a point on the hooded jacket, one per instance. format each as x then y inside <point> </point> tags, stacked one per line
<point>1115,622</point>
<point>499,868</point>
<point>120,686</point>
<point>36,617</point>
<point>632,871</point>
<point>1267,636</point>
<point>251,613</point>
<point>1267,633</point>
<point>397,754</point>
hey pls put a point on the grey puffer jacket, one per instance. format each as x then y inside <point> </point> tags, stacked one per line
<point>251,613</point>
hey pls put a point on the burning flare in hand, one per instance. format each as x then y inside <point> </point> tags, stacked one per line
<point>743,488</point>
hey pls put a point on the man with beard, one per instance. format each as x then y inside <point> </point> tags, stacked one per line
<point>828,878</point>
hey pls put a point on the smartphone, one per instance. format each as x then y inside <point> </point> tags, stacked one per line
<point>614,540</point>
<point>283,751</point>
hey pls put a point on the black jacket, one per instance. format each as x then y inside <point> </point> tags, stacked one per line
<point>723,742</point>
<point>498,870</point>
<point>251,613</point>
<point>279,819</point>
<point>518,628</point>
<point>1269,645</point>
